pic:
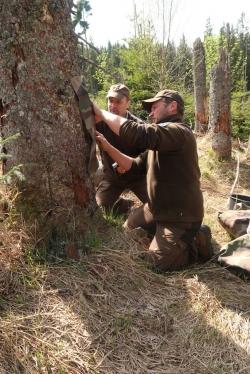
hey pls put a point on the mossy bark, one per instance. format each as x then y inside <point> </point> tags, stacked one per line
<point>38,57</point>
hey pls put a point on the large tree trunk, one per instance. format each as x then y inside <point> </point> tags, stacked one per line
<point>38,57</point>
<point>220,116</point>
<point>200,90</point>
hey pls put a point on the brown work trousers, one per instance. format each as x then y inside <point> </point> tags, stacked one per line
<point>172,246</point>
<point>108,193</point>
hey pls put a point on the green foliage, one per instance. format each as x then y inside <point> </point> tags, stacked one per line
<point>114,219</point>
<point>140,64</point>
<point>209,163</point>
<point>55,249</point>
<point>209,28</point>
<point>87,52</point>
<point>183,67</point>
<point>15,172</point>
<point>140,69</point>
<point>101,75</point>
<point>147,66</point>
<point>35,256</point>
<point>211,45</point>
<point>230,41</point>
<point>189,109</point>
<point>240,114</point>
<point>236,42</point>
<point>9,139</point>
<point>80,13</point>
<point>92,241</point>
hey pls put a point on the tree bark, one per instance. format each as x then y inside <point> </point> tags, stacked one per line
<point>38,57</point>
<point>220,108</point>
<point>248,150</point>
<point>200,90</point>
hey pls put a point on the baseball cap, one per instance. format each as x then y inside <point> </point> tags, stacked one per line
<point>118,91</point>
<point>164,94</point>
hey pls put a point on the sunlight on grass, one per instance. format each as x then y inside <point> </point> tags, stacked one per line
<point>107,312</point>
<point>114,219</point>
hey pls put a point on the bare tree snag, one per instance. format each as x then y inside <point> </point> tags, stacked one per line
<point>200,89</point>
<point>38,57</point>
<point>220,116</point>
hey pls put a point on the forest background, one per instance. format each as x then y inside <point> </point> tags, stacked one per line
<point>148,63</point>
<point>74,295</point>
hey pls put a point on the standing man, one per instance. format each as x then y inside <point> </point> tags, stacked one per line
<point>115,181</point>
<point>175,207</point>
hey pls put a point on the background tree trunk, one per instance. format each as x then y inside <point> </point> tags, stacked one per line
<point>248,150</point>
<point>200,90</point>
<point>220,118</point>
<point>38,57</point>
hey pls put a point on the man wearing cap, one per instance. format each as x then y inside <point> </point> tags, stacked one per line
<point>115,181</point>
<point>174,211</point>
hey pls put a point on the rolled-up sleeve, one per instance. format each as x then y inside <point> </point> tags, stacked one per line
<point>100,126</point>
<point>154,137</point>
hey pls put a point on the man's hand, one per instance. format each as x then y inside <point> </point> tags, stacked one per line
<point>123,161</point>
<point>102,141</point>
<point>120,170</point>
<point>112,120</point>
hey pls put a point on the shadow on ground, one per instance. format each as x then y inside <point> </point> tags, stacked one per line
<point>109,314</point>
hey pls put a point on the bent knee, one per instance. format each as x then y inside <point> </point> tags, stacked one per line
<point>104,201</point>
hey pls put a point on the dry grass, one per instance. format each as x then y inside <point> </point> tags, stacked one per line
<point>109,314</point>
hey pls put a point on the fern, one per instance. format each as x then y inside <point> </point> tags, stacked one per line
<point>15,172</point>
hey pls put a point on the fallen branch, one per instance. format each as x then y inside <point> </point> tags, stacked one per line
<point>88,43</point>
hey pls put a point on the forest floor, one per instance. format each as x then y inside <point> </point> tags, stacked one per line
<point>108,313</point>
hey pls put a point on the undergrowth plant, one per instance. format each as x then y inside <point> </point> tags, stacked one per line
<point>15,171</point>
<point>114,219</point>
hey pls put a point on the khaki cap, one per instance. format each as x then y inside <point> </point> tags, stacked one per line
<point>118,91</point>
<point>164,94</point>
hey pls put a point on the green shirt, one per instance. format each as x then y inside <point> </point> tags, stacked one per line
<point>173,174</point>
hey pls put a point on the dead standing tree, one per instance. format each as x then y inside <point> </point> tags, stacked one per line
<point>220,115</point>
<point>200,89</point>
<point>38,57</point>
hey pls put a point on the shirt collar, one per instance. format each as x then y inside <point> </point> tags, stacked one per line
<point>172,118</point>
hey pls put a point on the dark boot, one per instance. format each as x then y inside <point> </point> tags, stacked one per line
<point>203,243</point>
<point>122,206</point>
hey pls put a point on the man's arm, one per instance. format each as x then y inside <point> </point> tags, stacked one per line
<point>112,120</point>
<point>166,138</point>
<point>124,161</point>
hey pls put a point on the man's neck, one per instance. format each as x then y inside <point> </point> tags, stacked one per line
<point>172,118</point>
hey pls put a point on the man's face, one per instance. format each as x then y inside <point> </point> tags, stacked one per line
<point>161,109</point>
<point>118,106</point>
